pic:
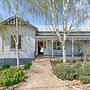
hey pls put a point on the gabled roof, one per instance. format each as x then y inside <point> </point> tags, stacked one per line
<point>12,21</point>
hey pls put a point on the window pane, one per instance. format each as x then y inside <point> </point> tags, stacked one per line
<point>19,42</point>
<point>12,42</point>
<point>59,46</point>
<point>54,45</point>
<point>44,44</point>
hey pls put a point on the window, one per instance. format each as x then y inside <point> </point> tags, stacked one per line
<point>44,44</point>
<point>54,45</point>
<point>13,42</point>
<point>19,42</point>
<point>57,45</point>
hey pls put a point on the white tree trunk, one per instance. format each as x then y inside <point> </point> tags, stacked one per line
<point>17,54</point>
<point>64,53</point>
<point>17,34</point>
<point>17,51</point>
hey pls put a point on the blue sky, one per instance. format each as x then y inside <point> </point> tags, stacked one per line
<point>6,13</point>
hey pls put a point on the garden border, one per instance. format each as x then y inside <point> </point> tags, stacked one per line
<point>17,85</point>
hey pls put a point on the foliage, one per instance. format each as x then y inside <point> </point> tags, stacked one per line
<point>88,53</point>
<point>86,68</point>
<point>79,71</point>
<point>5,66</point>
<point>85,79</point>
<point>11,76</point>
<point>66,71</point>
<point>28,65</point>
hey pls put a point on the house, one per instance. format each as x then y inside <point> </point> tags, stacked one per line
<point>33,42</point>
<point>26,43</point>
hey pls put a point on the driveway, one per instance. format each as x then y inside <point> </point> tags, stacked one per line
<point>41,78</point>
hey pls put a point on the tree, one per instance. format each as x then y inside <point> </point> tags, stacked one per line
<point>64,13</point>
<point>17,31</point>
<point>16,39</point>
<point>17,34</point>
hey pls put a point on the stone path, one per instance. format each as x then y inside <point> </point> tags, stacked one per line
<point>42,78</point>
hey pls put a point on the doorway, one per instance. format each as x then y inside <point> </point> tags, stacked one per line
<point>40,47</point>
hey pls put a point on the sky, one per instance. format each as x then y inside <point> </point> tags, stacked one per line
<point>39,22</point>
<point>6,13</point>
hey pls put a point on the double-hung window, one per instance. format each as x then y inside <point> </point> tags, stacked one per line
<point>13,38</point>
<point>57,45</point>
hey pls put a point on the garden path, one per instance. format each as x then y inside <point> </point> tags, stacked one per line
<point>41,78</point>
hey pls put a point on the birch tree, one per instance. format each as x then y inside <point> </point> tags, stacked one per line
<point>17,34</point>
<point>16,39</point>
<point>64,13</point>
<point>17,29</point>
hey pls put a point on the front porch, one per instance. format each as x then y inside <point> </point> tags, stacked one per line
<point>52,47</point>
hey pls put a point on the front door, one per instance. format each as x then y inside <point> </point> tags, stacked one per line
<point>40,47</point>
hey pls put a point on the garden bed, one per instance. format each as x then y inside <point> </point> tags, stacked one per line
<point>11,77</point>
<point>76,74</point>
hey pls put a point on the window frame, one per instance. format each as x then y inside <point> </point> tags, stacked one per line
<point>19,42</point>
<point>55,45</point>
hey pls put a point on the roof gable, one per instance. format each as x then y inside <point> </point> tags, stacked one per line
<point>12,21</point>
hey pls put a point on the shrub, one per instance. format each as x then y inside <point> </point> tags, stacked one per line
<point>84,79</point>
<point>66,71</point>
<point>86,68</point>
<point>77,67</point>
<point>59,71</point>
<point>28,65</point>
<point>11,76</point>
<point>5,66</point>
<point>69,73</point>
<point>79,71</point>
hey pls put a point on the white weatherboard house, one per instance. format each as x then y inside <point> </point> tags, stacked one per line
<point>33,42</point>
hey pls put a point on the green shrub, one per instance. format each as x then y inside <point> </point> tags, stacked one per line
<point>59,71</point>
<point>11,76</point>
<point>84,79</point>
<point>66,71</point>
<point>5,66</point>
<point>70,73</point>
<point>78,71</point>
<point>86,68</point>
<point>28,65</point>
<point>77,67</point>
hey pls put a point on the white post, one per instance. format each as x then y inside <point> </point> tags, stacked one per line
<point>52,46</point>
<point>72,47</point>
